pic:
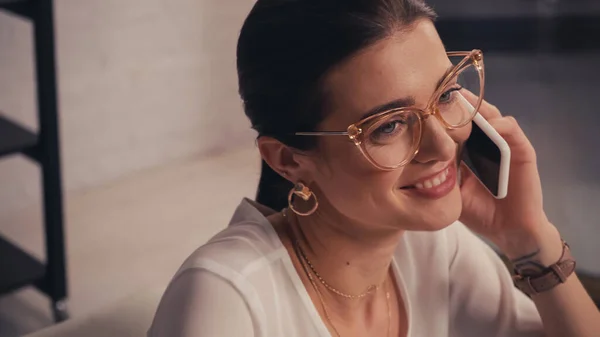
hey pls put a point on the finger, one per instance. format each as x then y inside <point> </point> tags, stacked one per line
<point>509,128</point>
<point>487,110</point>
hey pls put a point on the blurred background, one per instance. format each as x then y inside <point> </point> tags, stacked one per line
<point>156,152</point>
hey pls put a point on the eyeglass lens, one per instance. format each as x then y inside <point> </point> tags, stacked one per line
<point>392,139</point>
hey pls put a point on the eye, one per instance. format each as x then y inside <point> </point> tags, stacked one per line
<point>389,130</point>
<point>448,95</point>
<point>389,127</point>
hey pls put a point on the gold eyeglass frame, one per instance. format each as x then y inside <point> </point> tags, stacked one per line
<point>355,131</point>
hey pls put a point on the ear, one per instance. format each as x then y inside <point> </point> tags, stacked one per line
<point>288,162</point>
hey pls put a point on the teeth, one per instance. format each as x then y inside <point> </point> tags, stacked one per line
<point>435,181</point>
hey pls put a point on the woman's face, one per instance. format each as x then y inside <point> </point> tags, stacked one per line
<point>407,66</point>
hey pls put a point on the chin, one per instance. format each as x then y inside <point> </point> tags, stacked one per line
<point>437,214</point>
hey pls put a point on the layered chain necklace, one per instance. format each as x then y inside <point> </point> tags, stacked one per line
<point>309,270</point>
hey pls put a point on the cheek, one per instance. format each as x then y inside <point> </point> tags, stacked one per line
<point>339,156</point>
<point>365,198</point>
<point>461,135</point>
<point>349,181</point>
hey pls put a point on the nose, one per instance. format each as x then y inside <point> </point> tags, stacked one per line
<point>436,143</point>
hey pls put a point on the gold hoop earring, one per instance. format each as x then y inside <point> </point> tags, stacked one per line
<point>302,191</point>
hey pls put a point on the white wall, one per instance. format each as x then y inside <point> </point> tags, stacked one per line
<point>142,83</point>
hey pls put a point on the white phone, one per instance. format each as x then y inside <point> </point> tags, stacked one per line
<point>487,154</point>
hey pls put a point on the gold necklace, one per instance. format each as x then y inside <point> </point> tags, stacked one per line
<point>324,306</point>
<point>372,288</point>
<point>369,290</point>
<point>304,262</point>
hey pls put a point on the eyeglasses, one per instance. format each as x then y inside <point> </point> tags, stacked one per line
<point>391,139</point>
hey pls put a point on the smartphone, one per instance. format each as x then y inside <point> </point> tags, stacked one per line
<point>487,155</point>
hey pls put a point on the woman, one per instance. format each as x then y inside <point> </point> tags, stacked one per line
<point>361,115</point>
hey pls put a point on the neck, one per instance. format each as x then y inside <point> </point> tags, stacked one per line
<point>347,258</point>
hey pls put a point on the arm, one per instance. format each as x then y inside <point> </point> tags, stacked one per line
<point>483,299</point>
<point>518,225</point>
<point>199,303</point>
<point>567,309</point>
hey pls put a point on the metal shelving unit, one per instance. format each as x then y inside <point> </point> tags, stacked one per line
<point>17,268</point>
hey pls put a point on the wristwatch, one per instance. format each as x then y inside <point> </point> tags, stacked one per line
<point>549,277</point>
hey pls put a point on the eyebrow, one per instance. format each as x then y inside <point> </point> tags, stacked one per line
<point>402,102</point>
<point>395,104</point>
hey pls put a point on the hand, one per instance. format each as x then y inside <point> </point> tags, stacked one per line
<point>517,223</point>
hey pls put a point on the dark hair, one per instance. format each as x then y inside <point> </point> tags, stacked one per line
<point>287,47</point>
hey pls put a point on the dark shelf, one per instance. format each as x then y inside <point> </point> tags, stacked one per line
<point>10,2</point>
<point>14,138</point>
<point>564,33</point>
<point>17,268</point>
<point>19,7</point>
<point>489,9</point>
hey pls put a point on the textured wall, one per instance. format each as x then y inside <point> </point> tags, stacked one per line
<point>141,82</point>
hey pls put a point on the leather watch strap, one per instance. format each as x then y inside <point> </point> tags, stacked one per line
<point>550,277</point>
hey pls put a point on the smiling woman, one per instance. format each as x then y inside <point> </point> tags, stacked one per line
<point>360,112</point>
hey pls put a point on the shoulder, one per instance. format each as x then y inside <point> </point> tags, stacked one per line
<point>239,250</point>
<point>441,242</point>
<point>249,242</point>
<point>464,244</point>
<point>222,278</point>
<point>420,255</point>
<point>195,303</point>
<point>446,253</point>
<point>453,245</point>
<point>456,275</point>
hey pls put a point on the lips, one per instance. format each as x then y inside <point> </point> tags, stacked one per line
<point>435,181</point>
<point>430,181</point>
<point>434,186</point>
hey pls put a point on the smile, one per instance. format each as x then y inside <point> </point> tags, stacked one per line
<point>434,187</point>
<point>433,181</point>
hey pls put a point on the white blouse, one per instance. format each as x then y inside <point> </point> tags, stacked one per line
<point>242,283</point>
